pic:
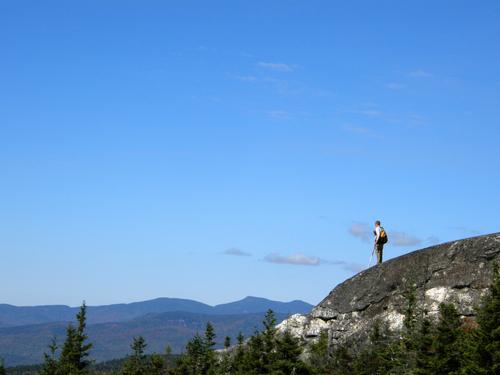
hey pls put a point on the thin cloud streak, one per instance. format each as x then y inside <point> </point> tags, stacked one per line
<point>396,238</point>
<point>295,259</point>
<point>278,114</point>
<point>419,73</point>
<point>361,231</point>
<point>245,78</point>
<point>369,112</point>
<point>357,129</point>
<point>403,239</point>
<point>299,259</point>
<point>236,252</point>
<point>362,130</point>
<point>348,266</point>
<point>280,67</point>
<point>394,86</point>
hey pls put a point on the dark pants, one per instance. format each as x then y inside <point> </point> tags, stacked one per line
<point>379,247</point>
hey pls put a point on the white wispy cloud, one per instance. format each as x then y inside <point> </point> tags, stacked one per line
<point>394,86</point>
<point>357,129</point>
<point>396,238</point>
<point>278,114</point>
<point>403,239</point>
<point>419,73</point>
<point>367,112</point>
<point>245,78</point>
<point>236,252</point>
<point>348,266</point>
<point>295,259</point>
<point>280,67</point>
<point>361,231</point>
<point>300,259</point>
<point>416,120</point>
<point>283,86</point>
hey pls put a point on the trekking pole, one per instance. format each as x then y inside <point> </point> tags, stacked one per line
<point>371,258</point>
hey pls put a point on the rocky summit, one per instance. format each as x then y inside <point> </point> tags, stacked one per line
<point>459,272</point>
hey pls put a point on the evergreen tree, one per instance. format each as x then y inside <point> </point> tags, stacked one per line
<point>287,359</point>
<point>269,340</point>
<point>168,358</point>
<point>410,313</point>
<point>483,354</point>
<point>209,361</point>
<point>75,351</point>
<point>191,362</point>
<point>341,360</point>
<point>237,363</point>
<point>50,364</point>
<point>66,364</point>
<point>156,365</point>
<point>240,339</point>
<point>2,368</point>
<point>253,360</point>
<point>378,356</point>
<point>136,364</point>
<point>447,352</point>
<point>227,342</point>
<point>489,327</point>
<point>424,348</point>
<point>318,353</point>
<point>224,366</point>
<point>404,350</point>
<point>256,357</point>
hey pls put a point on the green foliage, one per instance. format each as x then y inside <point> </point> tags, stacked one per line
<point>449,345</point>
<point>377,357</point>
<point>265,352</point>
<point>423,347</point>
<point>156,364</point>
<point>319,356</point>
<point>199,358</point>
<point>481,346</point>
<point>227,342</point>
<point>288,351</point>
<point>411,314</point>
<point>136,364</point>
<point>75,351</point>
<point>2,368</point>
<point>488,334</point>
<point>50,363</point>
<point>447,352</point>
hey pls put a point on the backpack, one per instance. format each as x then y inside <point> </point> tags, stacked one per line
<point>383,236</point>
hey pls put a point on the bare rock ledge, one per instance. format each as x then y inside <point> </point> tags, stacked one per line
<point>458,272</point>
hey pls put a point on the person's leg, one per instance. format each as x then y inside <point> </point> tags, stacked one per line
<point>379,253</point>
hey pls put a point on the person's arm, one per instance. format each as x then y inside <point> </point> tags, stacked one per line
<point>377,234</point>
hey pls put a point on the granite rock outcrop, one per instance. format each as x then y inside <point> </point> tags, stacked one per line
<point>459,272</point>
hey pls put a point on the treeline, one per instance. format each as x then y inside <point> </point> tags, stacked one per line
<point>448,345</point>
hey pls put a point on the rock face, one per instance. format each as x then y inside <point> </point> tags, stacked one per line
<point>458,272</point>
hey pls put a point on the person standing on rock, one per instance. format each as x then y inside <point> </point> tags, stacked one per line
<point>380,240</point>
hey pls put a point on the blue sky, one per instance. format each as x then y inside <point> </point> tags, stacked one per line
<point>217,149</point>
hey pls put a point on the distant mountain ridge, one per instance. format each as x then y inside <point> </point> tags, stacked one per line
<point>26,344</point>
<point>25,332</point>
<point>15,316</point>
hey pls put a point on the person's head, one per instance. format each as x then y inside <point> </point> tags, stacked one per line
<point>377,223</point>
